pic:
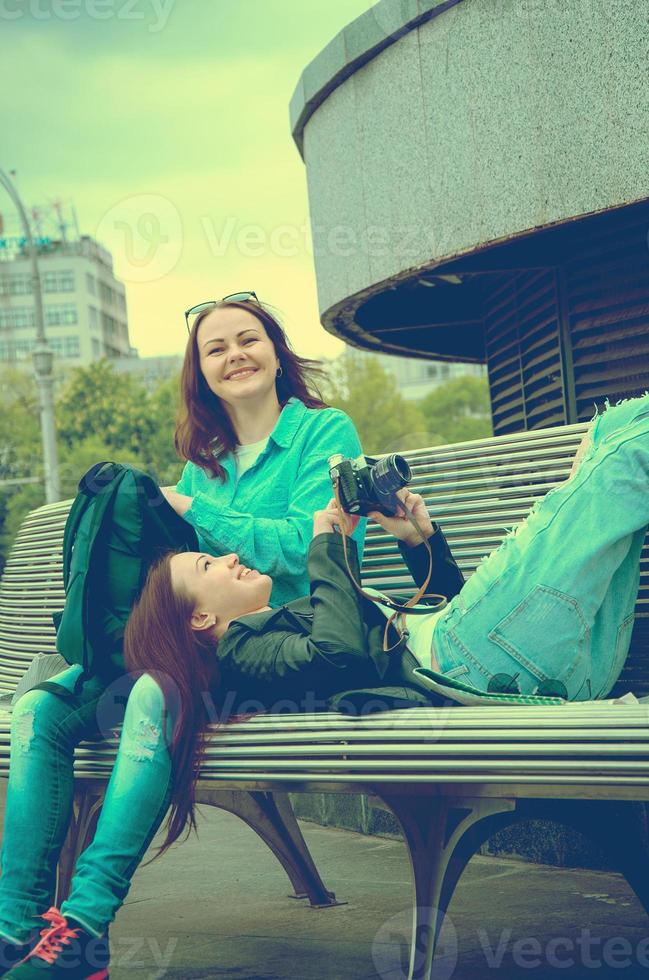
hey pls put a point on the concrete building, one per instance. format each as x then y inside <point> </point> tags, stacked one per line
<point>151,371</point>
<point>479,191</point>
<point>85,305</point>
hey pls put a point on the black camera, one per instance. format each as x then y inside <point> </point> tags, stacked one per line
<point>367,484</point>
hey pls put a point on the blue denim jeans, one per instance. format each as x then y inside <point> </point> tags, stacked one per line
<point>45,729</point>
<point>556,600</point>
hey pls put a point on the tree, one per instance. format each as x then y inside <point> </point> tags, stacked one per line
<point>458,411</point>
<point>161,457</point>
<point>385,420</point>
<point>20,452</point>
<point>100,414</point>
<point>97,401</point>
<point>116,412</point>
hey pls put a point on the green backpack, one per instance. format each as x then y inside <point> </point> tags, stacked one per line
<point>119,524</point>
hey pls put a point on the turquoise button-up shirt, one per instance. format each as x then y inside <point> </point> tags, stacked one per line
<point>266,516</point>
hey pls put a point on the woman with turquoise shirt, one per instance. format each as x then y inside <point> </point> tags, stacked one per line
<point>257,440</point>
<point>257,443</point>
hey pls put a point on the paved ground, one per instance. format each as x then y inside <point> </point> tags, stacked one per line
<point>218,908</point>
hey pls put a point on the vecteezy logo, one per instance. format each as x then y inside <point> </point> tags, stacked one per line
<point>391,948</point>
<point>145,233</point>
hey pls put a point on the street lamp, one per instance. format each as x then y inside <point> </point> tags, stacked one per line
<point>43,357</point>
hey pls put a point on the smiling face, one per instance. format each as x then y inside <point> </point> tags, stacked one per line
<point>237,358</point>
<point>221,589</point>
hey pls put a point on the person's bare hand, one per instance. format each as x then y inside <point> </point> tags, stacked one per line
<point>179,501</point>
<point>400,526</point>
<point>329,520</point>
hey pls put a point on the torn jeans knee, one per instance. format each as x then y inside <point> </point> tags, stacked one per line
<point>23,729</point>
<point>146,722</point>
<point>141,742</point>
<point>24,718</point>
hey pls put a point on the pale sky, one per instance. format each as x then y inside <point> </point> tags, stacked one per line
<point>165,122</point>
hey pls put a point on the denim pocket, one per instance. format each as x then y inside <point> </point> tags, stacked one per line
<point>456,661</point>
<point>548,635</point>
<point>622,642</point>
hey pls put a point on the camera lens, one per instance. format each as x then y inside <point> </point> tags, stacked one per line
<point>391,473</point>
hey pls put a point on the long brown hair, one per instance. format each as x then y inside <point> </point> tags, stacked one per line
<point>204,432</point>
<point>160,641</point>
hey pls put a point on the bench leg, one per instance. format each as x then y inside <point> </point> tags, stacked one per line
<point>271,816</point>
<point>88,799</point>
<point>441,835</point>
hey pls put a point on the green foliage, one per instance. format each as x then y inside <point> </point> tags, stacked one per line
<point>100,414</point>
<point>17,504</point>
<point>161,459</point>
<point>76,460</point>
<point>458,411</point>
<point>385,420</point>
<point>20,453</point>
<point>115,410</point>
<point>96,401</point>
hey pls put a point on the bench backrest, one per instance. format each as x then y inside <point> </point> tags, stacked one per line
<point>476,490</point>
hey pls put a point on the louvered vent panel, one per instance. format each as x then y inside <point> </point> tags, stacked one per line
<point>608,298</point>
<point>523,351</point>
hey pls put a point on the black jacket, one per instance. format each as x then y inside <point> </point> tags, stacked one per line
<point>326,650</point>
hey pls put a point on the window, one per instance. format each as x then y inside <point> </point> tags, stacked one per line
<point>96,348</point>
<point>432,370</point>
<point>107,293</point>
<point>58,316</point>
<point>16,319</point>
<point>23,317</point>
<point>71,346</point>
<point>90,284</point>
<point>92,317</point>
<point>65,346</point>
<point>20,285</point>
<point>59,281</point>
<point>109,324</point>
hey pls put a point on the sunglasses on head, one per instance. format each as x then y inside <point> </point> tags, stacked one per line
<point>193,312</point>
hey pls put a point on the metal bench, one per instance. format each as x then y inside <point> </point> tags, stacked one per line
<point>451,776</point>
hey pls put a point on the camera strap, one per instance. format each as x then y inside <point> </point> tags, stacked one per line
<point>400,610</point>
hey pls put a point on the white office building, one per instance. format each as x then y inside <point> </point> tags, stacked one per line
<point>151,371</point>
<point>84,304</point>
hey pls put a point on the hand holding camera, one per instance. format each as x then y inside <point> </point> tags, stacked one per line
<point>329,519</point>
<point>399,524</point>
<point>378,488</point>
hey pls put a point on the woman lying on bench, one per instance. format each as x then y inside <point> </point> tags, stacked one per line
<point>550,611</point>
<point>553,605</point>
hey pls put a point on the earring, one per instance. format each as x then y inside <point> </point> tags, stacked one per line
<point>279,372</point>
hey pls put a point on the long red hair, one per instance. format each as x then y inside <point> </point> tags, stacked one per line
<point>159,641</point>
<point>204,432</point>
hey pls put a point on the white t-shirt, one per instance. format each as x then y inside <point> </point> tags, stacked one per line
<point>245,456</point>
<point>421,628</point>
